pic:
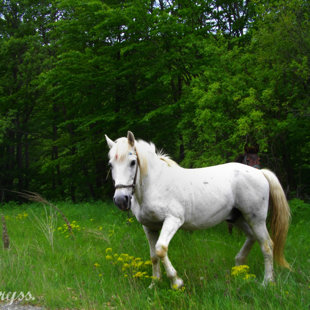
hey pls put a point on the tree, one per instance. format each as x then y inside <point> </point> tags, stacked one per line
<point>21,39</point>
<point>198,78</point>
<point>258,93</point>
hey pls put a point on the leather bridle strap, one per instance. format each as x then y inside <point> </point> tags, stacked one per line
<point>133,185</point>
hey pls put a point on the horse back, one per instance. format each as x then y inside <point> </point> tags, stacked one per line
<point>208,195</point>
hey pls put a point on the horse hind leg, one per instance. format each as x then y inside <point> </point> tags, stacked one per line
<point>236,218</point>
<point>254,226</point>
<point>262,236</point>
<point>257,231</point>
<point>241,257</point>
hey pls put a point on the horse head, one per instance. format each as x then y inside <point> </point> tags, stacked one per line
<point>123,160</point>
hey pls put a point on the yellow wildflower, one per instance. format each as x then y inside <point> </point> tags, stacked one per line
<point>108,250</point>
<point>125,266</point>
<point>148,263</point>
<point>108,257</point>
<point>238,270</point>
<point>249,276</point>
<point>242,271</point>
<point>139,274</point>
<point>96,265</point>
<point>176,288</point>
<point>21,216</point>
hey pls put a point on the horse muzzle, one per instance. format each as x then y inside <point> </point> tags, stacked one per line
<point>123,202</point>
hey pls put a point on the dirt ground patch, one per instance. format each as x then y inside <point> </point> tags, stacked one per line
<point>18,306</point>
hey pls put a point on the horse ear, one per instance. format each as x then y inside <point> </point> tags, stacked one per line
<point>109,141</point>
<point>131,138</point>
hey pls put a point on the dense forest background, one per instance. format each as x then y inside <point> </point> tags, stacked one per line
<point>201,79</point>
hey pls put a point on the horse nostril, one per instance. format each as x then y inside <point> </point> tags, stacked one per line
<point>122,201</point>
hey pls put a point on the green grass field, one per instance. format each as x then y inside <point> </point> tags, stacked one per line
<point>105,264</point>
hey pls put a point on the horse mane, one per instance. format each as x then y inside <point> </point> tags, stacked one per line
<point>166,158</point>
<point>148,148</point>
<point>143,150</point>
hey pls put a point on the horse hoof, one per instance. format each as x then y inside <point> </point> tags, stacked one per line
<point>269,282</point>
<point>151,286</point>
<point>153,283</point>
<point>177,284</point>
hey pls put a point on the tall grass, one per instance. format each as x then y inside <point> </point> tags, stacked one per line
<point>63,272</point>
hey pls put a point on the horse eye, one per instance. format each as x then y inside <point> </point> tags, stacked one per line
<point>132,163</point>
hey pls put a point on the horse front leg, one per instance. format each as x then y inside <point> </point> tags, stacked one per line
<point>169,228</point>
<point>152,237</point>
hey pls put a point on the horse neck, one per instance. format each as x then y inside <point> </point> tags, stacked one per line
<point>150,169</point>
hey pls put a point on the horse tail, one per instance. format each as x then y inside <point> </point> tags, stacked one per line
<point>280,217</point>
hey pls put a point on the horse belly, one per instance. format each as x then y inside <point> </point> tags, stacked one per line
<point>206,216</point>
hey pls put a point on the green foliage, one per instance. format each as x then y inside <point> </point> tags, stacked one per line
<point>198,78</point>
<point>256,93</point>
<point>299,208</point>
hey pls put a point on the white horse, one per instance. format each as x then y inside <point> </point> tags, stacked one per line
<point>165,197</point>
